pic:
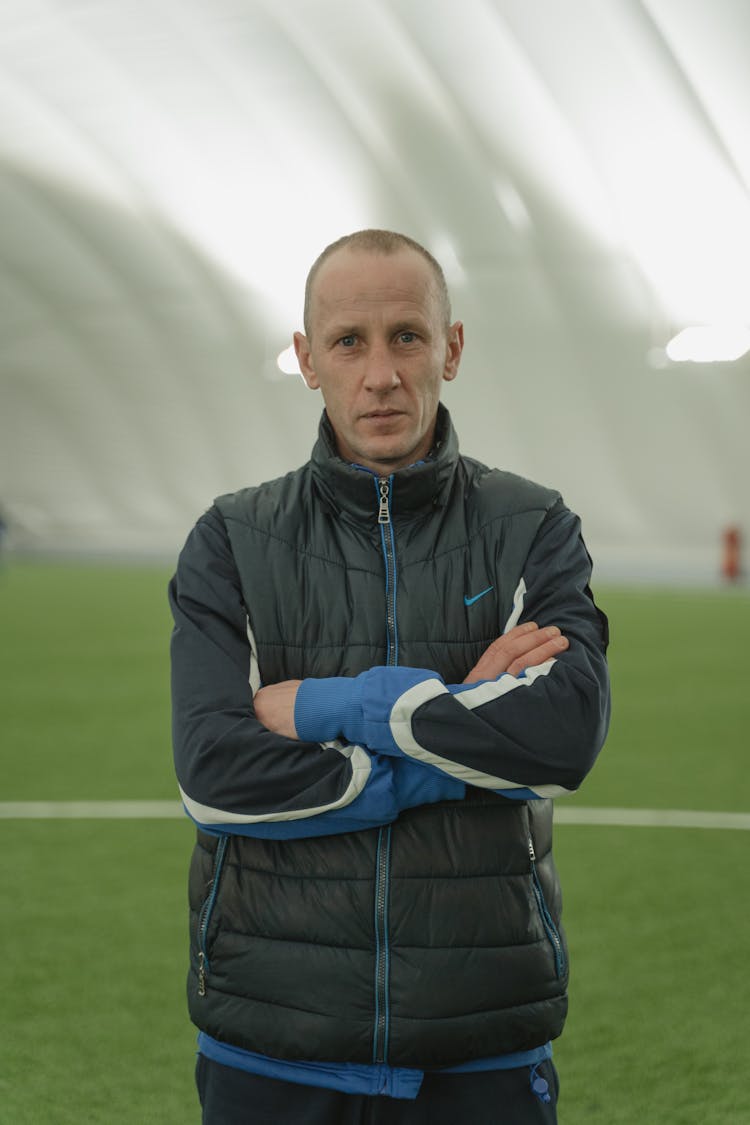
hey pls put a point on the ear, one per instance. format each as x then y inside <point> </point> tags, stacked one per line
<point>304,359</point>
<point>453,350</point>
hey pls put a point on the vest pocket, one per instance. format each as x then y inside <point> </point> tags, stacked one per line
<point>206,911</point>
<point>548,922</point>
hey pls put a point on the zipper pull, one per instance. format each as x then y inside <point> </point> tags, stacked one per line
<point>384,515</point>
<point>532,853</point>
<point>201,974</point>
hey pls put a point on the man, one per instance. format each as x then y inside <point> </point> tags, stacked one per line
<point>385,664</point>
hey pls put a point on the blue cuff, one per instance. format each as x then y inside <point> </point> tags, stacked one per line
<point>357,709</point>
<point>322,707</point>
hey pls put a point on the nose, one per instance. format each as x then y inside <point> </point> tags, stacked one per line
<point>380,370</point>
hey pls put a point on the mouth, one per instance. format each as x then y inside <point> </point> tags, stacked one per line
<point>380,414</point>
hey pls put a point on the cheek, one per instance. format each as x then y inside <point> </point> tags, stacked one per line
<point>430,393</point>
<point>337,401</point>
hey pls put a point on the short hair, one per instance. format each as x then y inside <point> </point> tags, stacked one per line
<point>378,242</point>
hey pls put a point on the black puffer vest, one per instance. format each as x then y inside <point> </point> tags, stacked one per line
<point>433,940</point>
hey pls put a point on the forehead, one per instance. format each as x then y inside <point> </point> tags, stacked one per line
<point>361,281</point>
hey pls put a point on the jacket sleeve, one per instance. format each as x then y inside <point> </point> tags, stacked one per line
<point>534,735</point>
<point>234,774</point>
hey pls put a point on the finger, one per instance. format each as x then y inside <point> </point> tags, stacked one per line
<point>526,637</point>
<point>519,630</point>
<point>503,651</point>
<point>539,655</point>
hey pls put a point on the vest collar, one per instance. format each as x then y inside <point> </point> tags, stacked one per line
<point>353,490</point>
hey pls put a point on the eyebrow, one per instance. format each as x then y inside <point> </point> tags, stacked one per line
<point>337,332</point>
<point>412,324</point>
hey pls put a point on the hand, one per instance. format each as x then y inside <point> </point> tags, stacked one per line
<point>522,647</point>
<point>274,707</point>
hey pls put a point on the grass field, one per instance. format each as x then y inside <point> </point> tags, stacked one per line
<point>92,1015</point>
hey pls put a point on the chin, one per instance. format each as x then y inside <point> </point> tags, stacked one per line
<point>388,461</point>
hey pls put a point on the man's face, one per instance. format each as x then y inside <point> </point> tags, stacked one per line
<point>379,350</point>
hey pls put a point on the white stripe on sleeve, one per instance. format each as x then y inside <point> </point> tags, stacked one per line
<point>254,676</point>
<point>360,765</point>
<point>403,735</point>
<point>517,610</point>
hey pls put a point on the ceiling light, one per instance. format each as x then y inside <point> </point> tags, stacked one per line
<point>286,361</point>
<point>709,343</point>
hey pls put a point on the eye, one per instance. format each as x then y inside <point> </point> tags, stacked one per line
<point>407,337</point>
<point>348,341</point>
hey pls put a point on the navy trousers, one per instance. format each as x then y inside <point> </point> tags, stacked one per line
<point>496,1097</point>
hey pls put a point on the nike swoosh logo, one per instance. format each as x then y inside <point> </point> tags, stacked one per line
<point>470,601</point>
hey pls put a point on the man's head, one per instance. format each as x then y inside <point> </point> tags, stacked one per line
<point>378,343</point>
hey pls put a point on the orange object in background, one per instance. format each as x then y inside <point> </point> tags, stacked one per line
<point>731,563</point>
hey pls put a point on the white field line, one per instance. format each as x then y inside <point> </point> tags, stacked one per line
<point>173,810</point>
<point>652,818</point>
<point>91,810</point>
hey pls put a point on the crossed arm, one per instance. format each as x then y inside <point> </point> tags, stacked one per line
<point>524,646</point>
<point>317,756</point>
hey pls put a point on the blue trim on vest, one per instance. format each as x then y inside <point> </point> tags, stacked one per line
<point>503,1062</point>
<point>519,794</point>
<point>355,1078</point>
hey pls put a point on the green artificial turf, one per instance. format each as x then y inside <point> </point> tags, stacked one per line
<point>681,705</point>
<point>93,972</point>
<point>84,683</point>
<point>657,926</point>
<point>94,936</point>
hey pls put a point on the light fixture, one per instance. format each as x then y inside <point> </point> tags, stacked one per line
<point>286,361</point>
<point>709,343</point>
